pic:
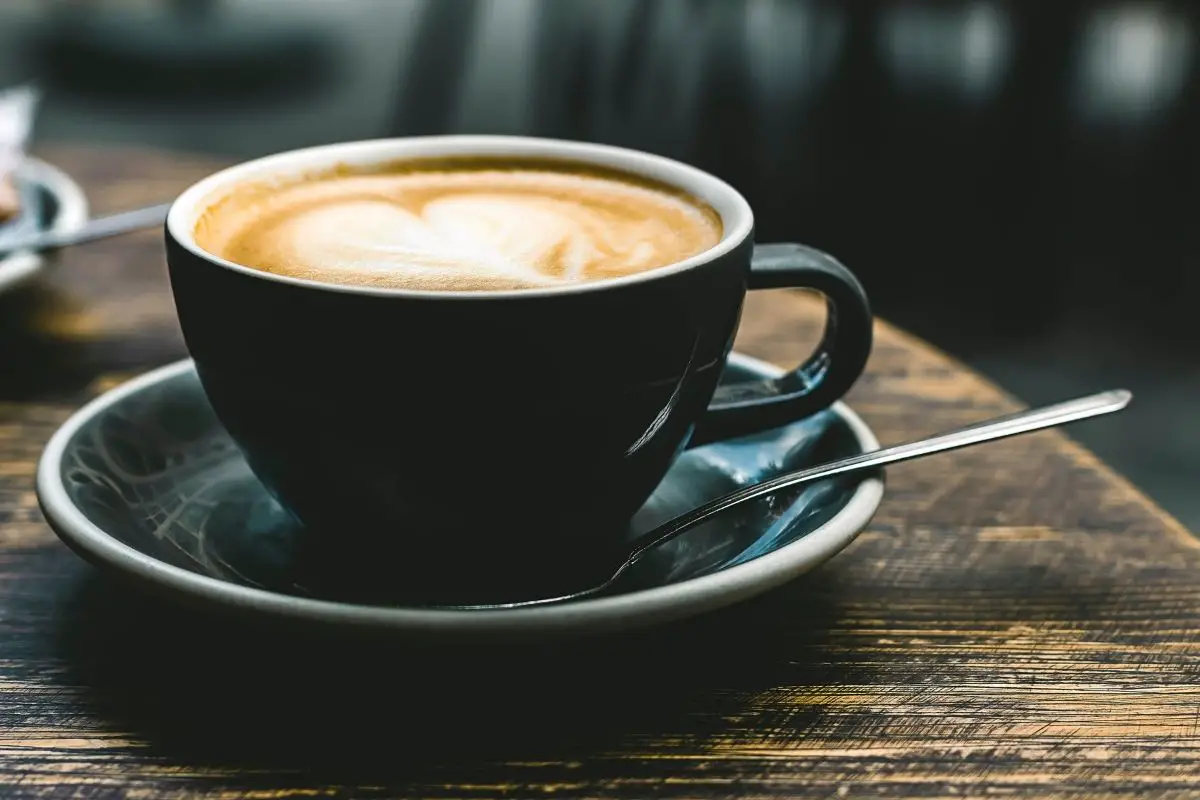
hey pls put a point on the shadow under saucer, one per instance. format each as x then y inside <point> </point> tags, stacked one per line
<point>210,691</point>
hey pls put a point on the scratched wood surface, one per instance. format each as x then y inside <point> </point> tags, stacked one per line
<point>1017,620</point>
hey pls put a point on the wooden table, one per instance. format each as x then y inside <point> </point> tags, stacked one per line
<point>1017,619</point>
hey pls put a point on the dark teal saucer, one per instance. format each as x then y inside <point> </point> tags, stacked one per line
<point>144,481</point>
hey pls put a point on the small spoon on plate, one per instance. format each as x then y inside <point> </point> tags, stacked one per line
<point>98,228</point>
<point>989,430</point>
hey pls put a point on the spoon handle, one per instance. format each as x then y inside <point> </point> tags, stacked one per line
<point>98,228</point>
<point>986,431</point>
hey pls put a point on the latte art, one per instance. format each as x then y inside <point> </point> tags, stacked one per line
<point>458,228</point>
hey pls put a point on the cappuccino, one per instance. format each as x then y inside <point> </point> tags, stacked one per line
<point>458,224</point>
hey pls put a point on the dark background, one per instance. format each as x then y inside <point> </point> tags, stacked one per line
<point>1012,181</point>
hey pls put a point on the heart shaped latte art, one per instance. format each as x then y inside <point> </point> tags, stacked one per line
<point>377,236</point>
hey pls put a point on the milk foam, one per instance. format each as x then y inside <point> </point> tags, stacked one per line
<point>457,228</point>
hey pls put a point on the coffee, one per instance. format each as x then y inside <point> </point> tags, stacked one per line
<point>459,224</point>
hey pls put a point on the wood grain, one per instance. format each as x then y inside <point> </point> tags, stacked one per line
<point>1017,620</point>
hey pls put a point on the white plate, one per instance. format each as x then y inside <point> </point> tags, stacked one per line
<point>70,213</point>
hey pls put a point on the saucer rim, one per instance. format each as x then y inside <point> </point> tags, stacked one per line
<point>73,214</point>
<point>625,611</point>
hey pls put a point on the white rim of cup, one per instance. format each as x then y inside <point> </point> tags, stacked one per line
<point>737,219</point>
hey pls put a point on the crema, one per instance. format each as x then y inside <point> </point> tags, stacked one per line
<point>458,225</point>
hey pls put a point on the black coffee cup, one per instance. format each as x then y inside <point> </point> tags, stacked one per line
<point>522,425</point>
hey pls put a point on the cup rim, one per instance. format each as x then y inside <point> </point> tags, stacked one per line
<point>737,219</point>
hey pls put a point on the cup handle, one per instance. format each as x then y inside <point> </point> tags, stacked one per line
<point>741,409</point>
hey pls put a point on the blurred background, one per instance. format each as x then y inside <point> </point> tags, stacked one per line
<point>1011,180</point>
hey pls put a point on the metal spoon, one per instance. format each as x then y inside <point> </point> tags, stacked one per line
<point>986,431</point>
<point>98,228</point>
